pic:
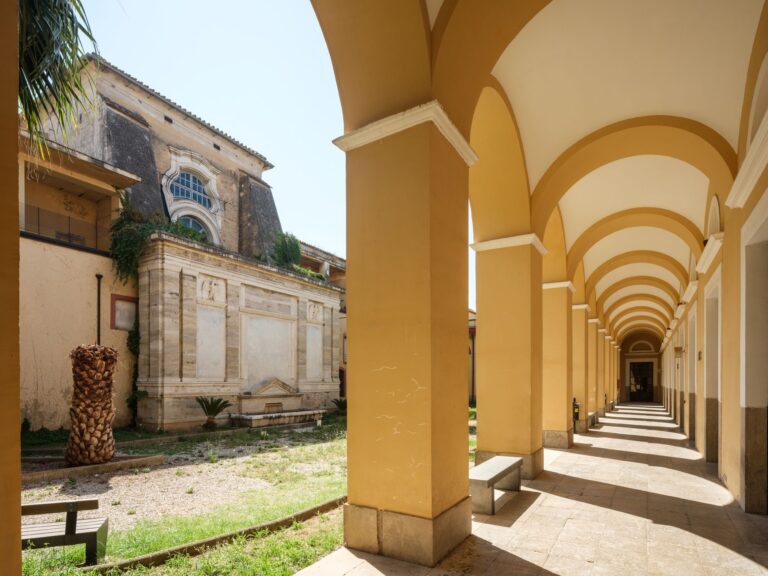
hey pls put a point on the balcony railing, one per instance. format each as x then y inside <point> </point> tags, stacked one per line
<point>64,229</point>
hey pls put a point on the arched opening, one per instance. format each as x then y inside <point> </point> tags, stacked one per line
<point>712,354</point>
<point>713,221</point>
<point>754,360</point>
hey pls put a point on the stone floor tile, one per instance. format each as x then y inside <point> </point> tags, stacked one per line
<point>567,566</point>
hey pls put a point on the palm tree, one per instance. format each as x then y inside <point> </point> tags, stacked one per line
<point>51,61</point>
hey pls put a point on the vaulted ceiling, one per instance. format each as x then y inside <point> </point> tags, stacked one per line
<point>637,220</point>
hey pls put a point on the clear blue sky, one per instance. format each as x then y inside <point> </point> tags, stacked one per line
<point>258,70</point>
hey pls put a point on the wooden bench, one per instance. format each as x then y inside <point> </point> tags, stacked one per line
<point>502,470</point>
<point>91,531</point>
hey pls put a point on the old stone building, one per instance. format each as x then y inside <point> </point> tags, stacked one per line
<point>216,318</point>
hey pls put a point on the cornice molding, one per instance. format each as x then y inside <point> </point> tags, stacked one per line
<point>714,243</point>
<point>429,112</point>
<point>564,284</point>
<point>511,242</point>
<point>751,169</point>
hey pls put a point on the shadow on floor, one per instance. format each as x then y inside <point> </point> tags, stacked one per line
<point>514,505</point>
<point>727,526</point>
<point>644,439</point>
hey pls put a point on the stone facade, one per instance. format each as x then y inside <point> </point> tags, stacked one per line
<point>214,323</point>
<point>216,319</point>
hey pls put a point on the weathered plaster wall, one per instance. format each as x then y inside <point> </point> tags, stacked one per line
<point>259,221</point>
<point>129,145</point>
<point>58,312</point>
<point>144,149</point>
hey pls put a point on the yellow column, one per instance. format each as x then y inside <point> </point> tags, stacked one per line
<point>407,334</point>
<point>579,364</point>
<point>592,326</point>
<point>557,383</point>
<point>509,340</point>
<point>10,466</point>
<point>601,360</point>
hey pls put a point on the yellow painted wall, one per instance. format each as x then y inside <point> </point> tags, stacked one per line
<point>58,312</point>
<point>10,466</point>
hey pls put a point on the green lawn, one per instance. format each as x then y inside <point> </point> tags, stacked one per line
<point>281,553</point>
<point>303,470</point>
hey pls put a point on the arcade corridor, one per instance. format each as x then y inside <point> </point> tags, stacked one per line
<point>630,497</point>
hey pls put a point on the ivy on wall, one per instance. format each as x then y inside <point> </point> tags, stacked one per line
<point>130,234</point>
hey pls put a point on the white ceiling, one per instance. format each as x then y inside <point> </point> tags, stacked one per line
<point>630,270</point>
<point>579,66</point>
<point>640,302</point>
<point>639,289</point>
<point>639,324</point>
<point>636,238</point>
<point>659,316</point>
<point>635,182</point>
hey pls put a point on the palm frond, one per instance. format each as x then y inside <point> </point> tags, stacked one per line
<point>52,58</point>
<point>212,407</point>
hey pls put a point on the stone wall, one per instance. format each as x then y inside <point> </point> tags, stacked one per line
<point>216,324</point>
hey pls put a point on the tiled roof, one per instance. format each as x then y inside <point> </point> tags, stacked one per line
<point>102,62</point>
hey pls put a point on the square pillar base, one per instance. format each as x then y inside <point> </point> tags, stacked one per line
<point>423,541</point>
<point>582,427</point>
<point>558,438</point>
<point>533,464</point>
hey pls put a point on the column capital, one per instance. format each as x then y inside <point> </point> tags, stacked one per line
<point>584,307</point>
<point>690,291</point>
<point>712,248</point>
<point>510,242</point>
<point>563,284</point>
<point>429,112</point>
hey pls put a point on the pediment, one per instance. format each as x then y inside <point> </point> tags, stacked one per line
<point>274,387</point>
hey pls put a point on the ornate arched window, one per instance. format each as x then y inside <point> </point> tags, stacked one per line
<point>187,185</point>
<point>194,224</point>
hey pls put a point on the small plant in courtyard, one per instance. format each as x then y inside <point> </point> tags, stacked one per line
<point>212,407</point>
<point>190,490</point>
<point>341,405</point>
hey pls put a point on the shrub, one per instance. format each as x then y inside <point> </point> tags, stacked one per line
<point>212,407</point>
<point>341,405</point>
<point>287,252</point>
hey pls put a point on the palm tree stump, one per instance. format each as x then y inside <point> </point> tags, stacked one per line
<point>92,410</point>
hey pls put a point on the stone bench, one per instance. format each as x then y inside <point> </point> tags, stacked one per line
<point>483,478</point>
